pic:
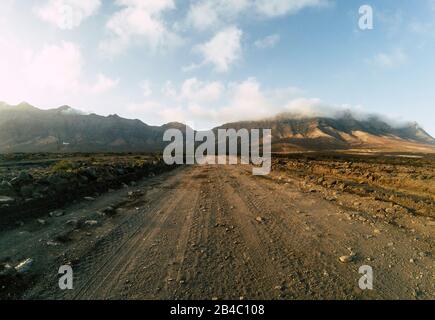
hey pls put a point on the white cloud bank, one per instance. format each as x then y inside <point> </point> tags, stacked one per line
<point>67,14</point>
<point>213,14</point>
<point>268,42</point>
<point>206,104</point>
<point>390,60</point>
<point>139,21</point>
<point>223,50</point>
<point>54,72</point>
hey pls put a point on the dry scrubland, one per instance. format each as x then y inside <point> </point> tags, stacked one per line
<point>134,228</point>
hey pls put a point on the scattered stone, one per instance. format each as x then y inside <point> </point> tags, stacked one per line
<point>7,270</point>
<point>6,200</point>
<point>52,243</point>
<point>22,178</point>
<point>109,211</point>
<point>259,219</point>
<point>42,222</point>
<point>423,254</point>
<point>24,266</point>
<point>19,223</point>
<point>63,237</point>
<point>89,198</point>
<point>72,222</point>
<point>347,259</point>
<point>27,191</point>
<point>57,213</point>
<point>390,210</point>
<point>91,222</point>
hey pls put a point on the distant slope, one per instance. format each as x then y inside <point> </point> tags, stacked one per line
<point>24,128</point>
<point>292,133</point>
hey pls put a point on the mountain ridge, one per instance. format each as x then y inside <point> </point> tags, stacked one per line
<point>25,128</point>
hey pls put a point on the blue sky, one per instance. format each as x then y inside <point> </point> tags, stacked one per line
<point>213,61</point>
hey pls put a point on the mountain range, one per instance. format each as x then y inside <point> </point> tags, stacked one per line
<point>25,128</point>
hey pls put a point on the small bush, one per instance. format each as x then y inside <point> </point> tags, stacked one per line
<point>63,165</point>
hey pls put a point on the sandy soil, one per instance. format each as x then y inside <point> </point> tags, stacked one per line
<point>218,232</point>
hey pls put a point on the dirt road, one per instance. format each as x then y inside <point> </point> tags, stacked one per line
<point>218,232</point>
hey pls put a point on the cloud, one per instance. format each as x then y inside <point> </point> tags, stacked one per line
<point>390,60</point>
<point>139,21</point>
<point>275,8</point>
<point>207,14</point>
<point>195,91</point>
<point>212,14</point>
<point>55,67</point>
<point>51,75</point>
<point>223,50</point>
<point>146,88</point>
<point>267,42</point>
<point>212,103</point>
<point>67,14</point>
<point>104,84</point>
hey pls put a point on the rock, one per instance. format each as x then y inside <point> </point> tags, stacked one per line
<point>7,270</point>
<point>6,200</point>
<point>52,243</point>
<point>64,236</point>
<point>90,173</point>
<point>136,193</point>
<point>72,222</point>
<point>259,219</point>
<point>57,213</point>
<point>109,211</point>
<point>89,198</point>
<point>19,223</point>
<point>6,188</point>
<point>347,259</point>
<point>390,210</point>
<point>91,222</point>
<point>41,221</point>
<point>27,191</point>
<point>58,183</point>
<point>22,178</point>
<point>24,266</point>
<point>423,254</point>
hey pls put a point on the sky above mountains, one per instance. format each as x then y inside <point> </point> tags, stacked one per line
<point>213,61</point>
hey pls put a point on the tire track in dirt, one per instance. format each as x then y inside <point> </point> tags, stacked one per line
<point>308,268</point>
<point>341,279</point>
<point>163,218</point>
<point>195,235</point>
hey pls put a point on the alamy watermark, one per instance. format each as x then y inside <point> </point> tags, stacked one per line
<point>202,147</point>
<point>66,279</point>
<point>366,17</point>
<point>366,281</point>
